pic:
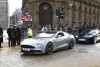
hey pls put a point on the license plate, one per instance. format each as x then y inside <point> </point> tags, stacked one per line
<point>26,49</point>
<point>81,39</point>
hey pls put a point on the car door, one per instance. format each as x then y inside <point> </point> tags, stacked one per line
<point>67,38</point>
<point>59,41</point>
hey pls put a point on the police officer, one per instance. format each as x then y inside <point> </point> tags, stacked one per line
<point>10,38</point>
<point>30,32</point>
<point>1,36</point>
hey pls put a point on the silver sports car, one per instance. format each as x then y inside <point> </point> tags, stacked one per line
<point>47,42</point>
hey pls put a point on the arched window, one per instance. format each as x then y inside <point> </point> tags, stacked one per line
<point>85,15</point>
<point>98,17</point>
<point>45,14</point>
<point>80,13</point>
<point>90,14</point>
<point>73,13</point>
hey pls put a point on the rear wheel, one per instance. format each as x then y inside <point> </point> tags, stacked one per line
<point>49,48</point>
<point>71,44</point>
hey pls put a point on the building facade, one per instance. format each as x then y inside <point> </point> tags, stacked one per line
<point>74,11</point>
<point>15,18</point>
<point>4,13</point>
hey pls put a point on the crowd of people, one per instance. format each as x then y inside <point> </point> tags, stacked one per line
<point>16,32</point>
<point>14,35</point>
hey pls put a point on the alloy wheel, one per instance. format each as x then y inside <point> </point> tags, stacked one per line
<point>49,48</point>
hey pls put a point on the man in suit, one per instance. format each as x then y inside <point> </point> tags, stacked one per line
<point>1,35</point>
<point>10,38</point>
<point>18,35</point>
<point>14,34</point>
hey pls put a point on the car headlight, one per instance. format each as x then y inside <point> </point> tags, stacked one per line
<point>76,36</point>
<point>39,44</point>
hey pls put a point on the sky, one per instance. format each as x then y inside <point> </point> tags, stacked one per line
<point>13,4</point>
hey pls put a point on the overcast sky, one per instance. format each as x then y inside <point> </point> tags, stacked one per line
<point>13,4</point>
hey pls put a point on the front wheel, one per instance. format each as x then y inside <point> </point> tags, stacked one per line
<point>71,45</point>
<point>94,40</point>
<point>49,48</point>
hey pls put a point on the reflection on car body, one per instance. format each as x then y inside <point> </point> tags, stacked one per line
<point>47,42</point>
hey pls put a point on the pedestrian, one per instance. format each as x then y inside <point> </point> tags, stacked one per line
<point>10,38</point>
<point>23,31</point>
<point>14,35</point>
<point>18,35</point>
<point>1,35</point>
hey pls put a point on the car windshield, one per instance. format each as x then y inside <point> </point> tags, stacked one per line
<point>45,35</point>
<point>89,32</point>
<point>92,32</point>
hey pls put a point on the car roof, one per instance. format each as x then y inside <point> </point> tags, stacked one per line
<point>49,31</point>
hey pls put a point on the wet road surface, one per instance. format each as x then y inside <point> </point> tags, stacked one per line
<point>83,55</point>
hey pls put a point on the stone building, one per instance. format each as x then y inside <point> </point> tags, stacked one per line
<point>4,13</point>
<point>75,11</point>
<point>15,18</point>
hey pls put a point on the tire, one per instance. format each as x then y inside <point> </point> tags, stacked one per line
<point>71,44</point>
<point>77,41</point>
<point>49,49</point>
<point>94,40</point>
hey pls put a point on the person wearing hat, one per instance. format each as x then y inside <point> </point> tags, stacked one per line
<point>1,35</point>
<point>10,39</point>
<point>14,34</point>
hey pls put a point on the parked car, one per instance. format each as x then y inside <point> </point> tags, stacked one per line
<point>89,36</point>
<point>47,42</point>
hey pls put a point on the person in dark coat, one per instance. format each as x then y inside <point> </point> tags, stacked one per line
<point>10,39</point>
<point>19,34</point>
<point>14,34</point>
<point>1,35</point>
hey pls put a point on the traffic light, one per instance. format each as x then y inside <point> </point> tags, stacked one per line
<point>57,13</point>
<point>61,15</point>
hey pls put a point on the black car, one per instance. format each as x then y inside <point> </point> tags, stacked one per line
<point>88,36</point>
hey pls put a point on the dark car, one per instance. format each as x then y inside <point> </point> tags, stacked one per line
<point>88,36</point>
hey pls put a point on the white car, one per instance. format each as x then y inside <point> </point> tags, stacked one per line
<point>47,42</point>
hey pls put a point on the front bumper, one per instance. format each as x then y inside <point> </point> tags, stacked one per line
<point>27,49</point>
<point>32,52</point>
<point>84,39</point>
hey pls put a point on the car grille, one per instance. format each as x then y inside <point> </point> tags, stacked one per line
<point>32,52</point>
<point>27,46</point>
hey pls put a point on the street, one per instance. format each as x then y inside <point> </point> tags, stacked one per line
<point>83,55</point>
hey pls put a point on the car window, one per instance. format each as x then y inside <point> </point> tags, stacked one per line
<point>60,34</point>
<point>92,32</point>
<point>89,32</point>
<point>45,35</point>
